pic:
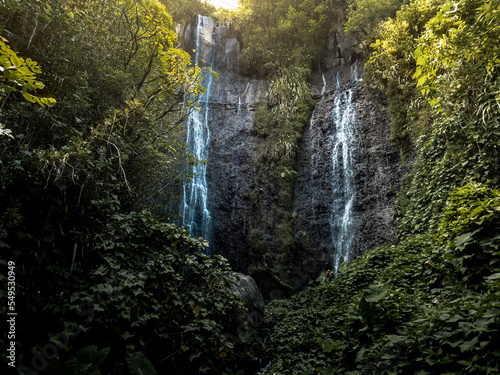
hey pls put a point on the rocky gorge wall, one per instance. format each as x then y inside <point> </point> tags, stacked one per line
<point>376,175</point>
<point>233,143</point>
<point>233,149</point>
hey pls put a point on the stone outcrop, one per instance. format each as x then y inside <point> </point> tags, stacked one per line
<point>246,288</point>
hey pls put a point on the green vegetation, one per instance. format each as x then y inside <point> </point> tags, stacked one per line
<point>278,35</point>
<point>92,101</point>
<point>429,305</point>
<point>391,67</point>
<point>281,125</point>
<point>365,16</point>
<point>19,72</point>
<point>183,11</point>
<point>92,98</point>
<point>142,288</point>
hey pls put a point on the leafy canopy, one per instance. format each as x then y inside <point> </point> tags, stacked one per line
<point>18,75</point>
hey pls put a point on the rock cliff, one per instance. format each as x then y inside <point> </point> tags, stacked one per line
<point>233,148</point>
<point>375,170</point>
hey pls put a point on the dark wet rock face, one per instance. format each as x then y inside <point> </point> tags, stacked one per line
<point>377,173</point>
<point>375,176</point>
<point>233,144</point>
<point>234,147</point>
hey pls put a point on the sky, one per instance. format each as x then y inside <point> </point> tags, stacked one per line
<point>229,4</point>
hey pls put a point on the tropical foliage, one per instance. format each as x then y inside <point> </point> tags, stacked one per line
<point>430,303</point>
<point>364,17</point>
<point>183,11</point>
<point>19,74</point>
<point>93,95</point>
<point>280,34</point>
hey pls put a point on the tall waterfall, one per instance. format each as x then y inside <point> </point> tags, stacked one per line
<point>195,214</point>
<point>341,220</point>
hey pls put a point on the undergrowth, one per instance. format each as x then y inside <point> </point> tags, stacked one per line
<point>430,305</point>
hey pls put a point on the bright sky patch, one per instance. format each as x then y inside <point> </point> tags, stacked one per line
<point>228,4</point>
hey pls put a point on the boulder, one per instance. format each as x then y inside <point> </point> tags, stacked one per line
<point>246,288</point>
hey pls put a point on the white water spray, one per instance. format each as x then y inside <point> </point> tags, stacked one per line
<point>195,214</point>
<point>341,220</point>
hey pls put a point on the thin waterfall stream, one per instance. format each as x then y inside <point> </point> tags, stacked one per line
<point>341,218</point>
<point>323,89</point>
<point>195,213</point>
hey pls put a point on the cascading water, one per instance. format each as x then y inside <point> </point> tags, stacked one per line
<point>341,220</point>
<point>195,214</point>
<point>323,89</point>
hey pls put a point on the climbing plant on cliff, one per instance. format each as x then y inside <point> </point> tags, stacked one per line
<point>365,16</point>
<point>391,66</point>
<point>430,60</point>
<point>458,76</point>
<point>281,122</point>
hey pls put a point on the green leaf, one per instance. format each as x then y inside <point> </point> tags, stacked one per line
<point>468,344</point>
<point>463,240</point>
<point>29,97</point>
<point>417,52</point>
<point>139,365</point>
<point>418,72</point>
<point>421,60</point>
<point>490,313</point>
<point>421,80</point>
<point>329,345</point>
<point>88,360</point>
<point>434,102</point>
<point>48,101</point>
<point>196,310</point>
<point>494,276</point>
<point>375,293</point>
<point>328,371</point>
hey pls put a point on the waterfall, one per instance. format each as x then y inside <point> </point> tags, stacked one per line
<point>195,214</point>
<point>341,220</point>
<point>323,90</point>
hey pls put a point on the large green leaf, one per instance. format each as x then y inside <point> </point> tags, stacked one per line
<point>87,361</point>
<point>140,365</point>
<point>375,293</point>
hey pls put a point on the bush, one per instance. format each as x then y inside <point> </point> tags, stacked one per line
<point>137,285</point>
